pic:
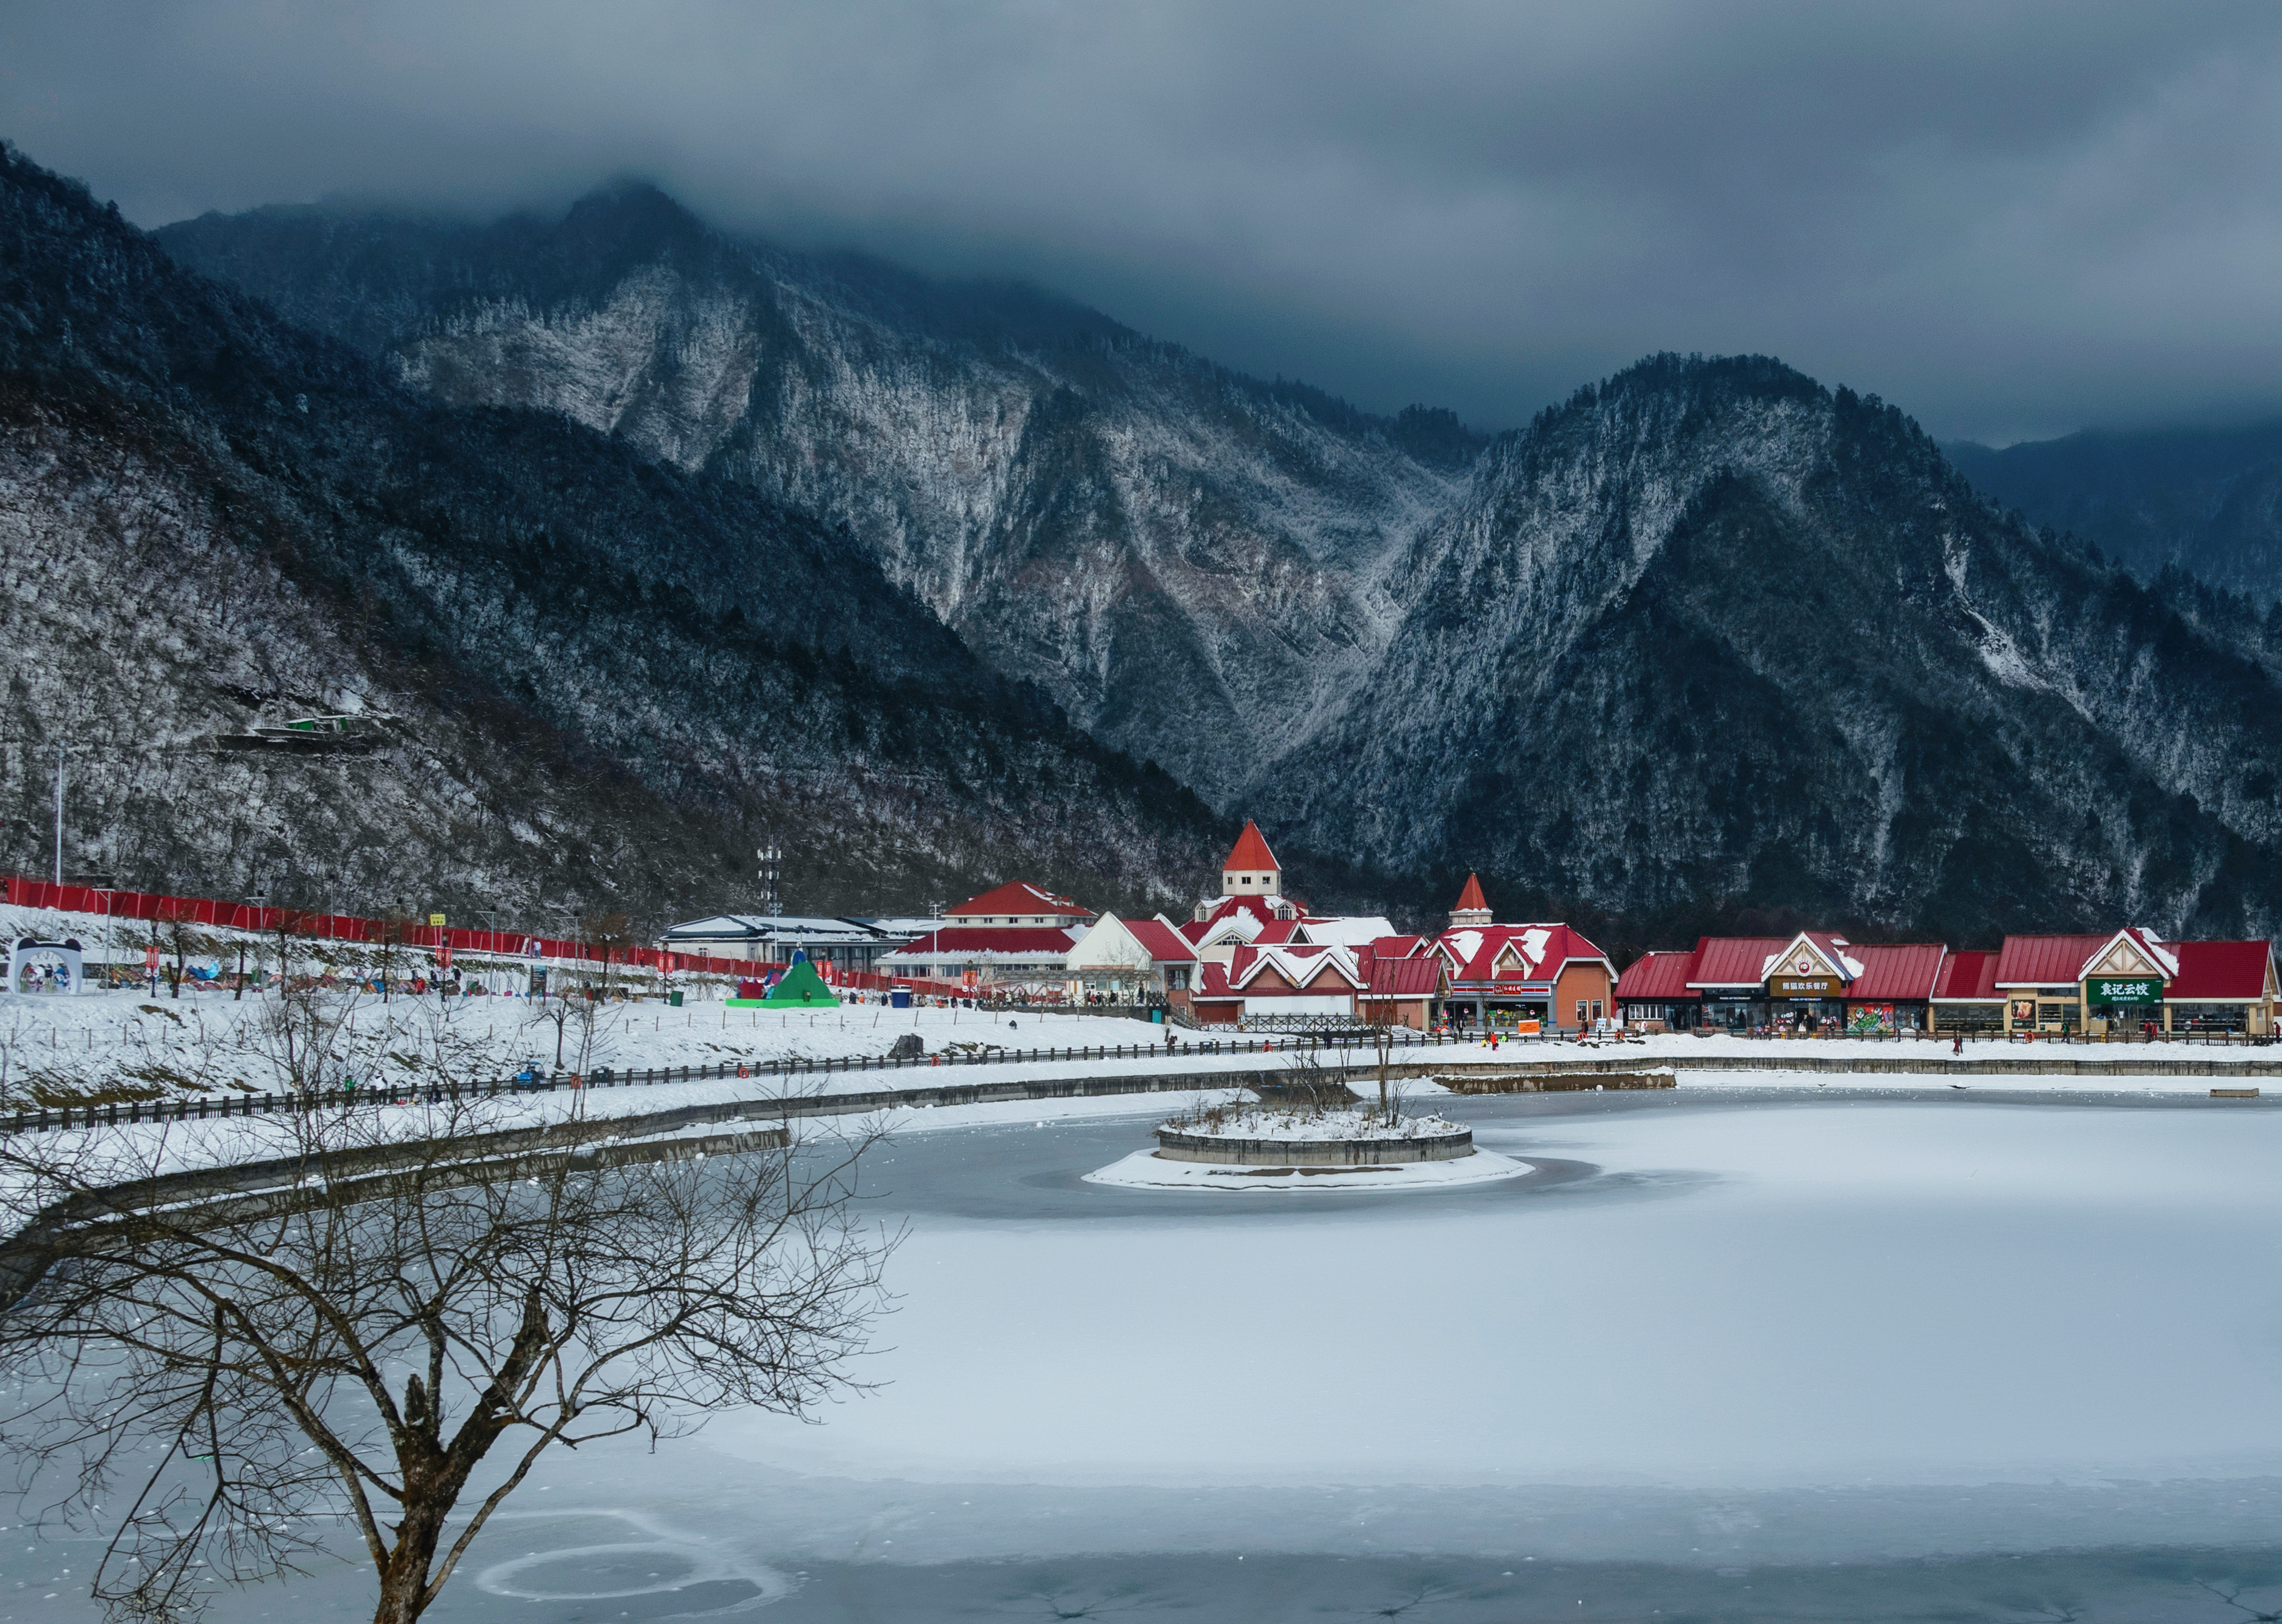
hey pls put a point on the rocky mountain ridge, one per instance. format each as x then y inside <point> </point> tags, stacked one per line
<point>1711,630</point>
<point>1710,635</point>
<point>605,681</point>
<point>1187,560</point>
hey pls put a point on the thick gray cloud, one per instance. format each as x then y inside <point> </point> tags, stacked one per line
<point>2011,220</point>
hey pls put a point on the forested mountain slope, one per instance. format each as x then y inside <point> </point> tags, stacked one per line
<point>1187,560</point>
<point>605,679</point>
<point>1709,635</point>
<point>2207,503</point>
<point>1712,631</point>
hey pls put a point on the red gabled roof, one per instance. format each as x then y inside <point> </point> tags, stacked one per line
<point>1970,975</point>
<point>1906,970</point>
<point>1251,852</point>
<point>1396,947</point>
<point>1735,961</point>
<point>1659,975</point>
<point>1028,940</point>
<point>1405,978</point>
<point>1020,896</point>
<point>1472,898</point>
<point>1474,951</point>
<point>2220,970</point>
<point>2044,962</point>
<point>1159,941</point>
<point>1277,933</point>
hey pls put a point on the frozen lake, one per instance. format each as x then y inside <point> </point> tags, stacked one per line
<point>1722,1356</point>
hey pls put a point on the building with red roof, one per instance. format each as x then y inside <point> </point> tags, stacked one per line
<point>1964,995</point>
<point>1406,990</point>
<point>1253,909</point>
<point>1654,990</point>
<point>1813,979</point>
<point>2134,981</point>
<point>1291,985</point>
<point>1143,961</point>
<point>1020,903</point>
<point>993,958</point>
<point>2128,982</point>
<point>2222,986</point>
<point>1014,935</point>
<point>1546,973</point>
<point>1251,869</point>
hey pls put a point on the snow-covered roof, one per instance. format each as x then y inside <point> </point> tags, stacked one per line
<point>1275,972</point>
<point>1348,931</point>
<point>1485,953</point>
<point>1115,941</point>
<point>786,927</point>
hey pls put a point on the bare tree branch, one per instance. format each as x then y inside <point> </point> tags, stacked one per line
<point>358,1341</point>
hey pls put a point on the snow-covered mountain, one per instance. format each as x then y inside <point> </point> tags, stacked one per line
<point>1187,560</point>
<point>1710,635</point>
<point>1713,631</point>
<point>592,678</point>
<point>2199,501</point>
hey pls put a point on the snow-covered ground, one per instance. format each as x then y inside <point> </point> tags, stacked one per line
<point>210,1042</point>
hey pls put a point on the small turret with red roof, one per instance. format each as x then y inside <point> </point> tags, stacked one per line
<point>1251,869</point>
<point>1473,909</point>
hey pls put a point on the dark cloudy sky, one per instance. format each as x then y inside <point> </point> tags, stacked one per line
<point>2012,220</point>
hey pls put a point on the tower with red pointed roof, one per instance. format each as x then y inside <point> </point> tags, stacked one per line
<point>1251,869</point>
<point>1473,909</point>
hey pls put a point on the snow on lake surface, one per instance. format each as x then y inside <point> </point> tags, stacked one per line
<point>1787,1293</point>
<point>1717,1338</point>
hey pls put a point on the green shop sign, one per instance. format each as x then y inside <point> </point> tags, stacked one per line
<point>2118,990</point>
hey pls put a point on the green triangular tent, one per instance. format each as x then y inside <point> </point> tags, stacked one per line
<point>801,988</point>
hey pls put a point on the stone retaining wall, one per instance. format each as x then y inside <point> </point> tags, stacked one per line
<point>1175,1146</point>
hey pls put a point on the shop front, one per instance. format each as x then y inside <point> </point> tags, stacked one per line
<point>1807,982</point>
<point>2116,1005</point>
<point>1802,1002</point>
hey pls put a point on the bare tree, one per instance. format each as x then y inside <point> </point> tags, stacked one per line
<point>391,932</point>
<point>617,935</point>
<point>303,1033</point>
<point>173,930</point>
<point>407,1322</point>
<point>580,1022</point>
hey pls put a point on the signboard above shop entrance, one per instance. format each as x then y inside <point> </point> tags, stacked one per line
<point>1804,986</point>
<point>2102,990</point>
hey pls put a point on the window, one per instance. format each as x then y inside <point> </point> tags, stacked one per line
<point>1580,1012</point>
<point>1596,1010</point>
<point>1246,880</point>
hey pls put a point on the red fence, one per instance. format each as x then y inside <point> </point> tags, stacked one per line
<point>347,926</point>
